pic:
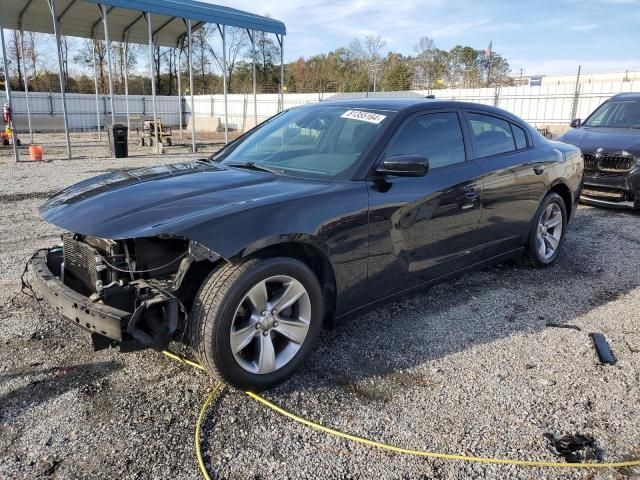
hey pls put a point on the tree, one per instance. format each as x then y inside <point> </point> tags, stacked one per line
<point>499,71</point>
<point>15,53</point>
<point>465,66</point>
<point>201,59</point>
<point>425,61</point>
<point>369,53</point>
<point>267,51</point>
<point>85,56</point>
<point>236,42</point>
<point>398,76</point>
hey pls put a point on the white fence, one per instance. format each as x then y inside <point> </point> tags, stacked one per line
<point>545,105</point>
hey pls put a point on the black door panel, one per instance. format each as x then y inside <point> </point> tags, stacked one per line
<point>423,228</point>
<point>514,181</point>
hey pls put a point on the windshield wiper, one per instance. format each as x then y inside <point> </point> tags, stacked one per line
<point>254,166</point>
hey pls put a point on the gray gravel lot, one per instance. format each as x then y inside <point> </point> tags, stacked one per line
<point>468,366</point>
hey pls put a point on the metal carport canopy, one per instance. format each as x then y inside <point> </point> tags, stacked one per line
<point>81,18</point>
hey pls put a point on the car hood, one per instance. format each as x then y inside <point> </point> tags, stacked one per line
<point>167,199</point>
<point>611,140</point>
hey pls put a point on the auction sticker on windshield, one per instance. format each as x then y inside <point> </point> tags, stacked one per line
<point>363,116</point>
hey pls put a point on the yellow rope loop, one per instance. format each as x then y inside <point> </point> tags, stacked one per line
<point>380,445</point>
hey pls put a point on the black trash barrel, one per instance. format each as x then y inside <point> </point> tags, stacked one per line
<point>120,143</point>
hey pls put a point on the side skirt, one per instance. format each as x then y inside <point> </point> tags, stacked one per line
<point>372,305</point>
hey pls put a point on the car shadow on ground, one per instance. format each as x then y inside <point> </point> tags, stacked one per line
<point>43,384</point>
<point>477,308</point>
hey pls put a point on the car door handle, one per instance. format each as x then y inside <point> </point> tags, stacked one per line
<point>538,170</point>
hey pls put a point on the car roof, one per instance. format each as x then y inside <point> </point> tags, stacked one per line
<point>627,96</point>
<point>410,104</point>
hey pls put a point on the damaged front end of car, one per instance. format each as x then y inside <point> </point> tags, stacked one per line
<point>135,293</point>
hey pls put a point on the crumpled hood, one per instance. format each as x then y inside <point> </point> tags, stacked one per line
<point>165,199</point>
<point>611,140</point>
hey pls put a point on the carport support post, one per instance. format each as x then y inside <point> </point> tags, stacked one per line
<point>107,46</point>
<point>56,32</point>
<point>95,84</point>
<point>193,105</point>
<point>126,84</point>
<point>224,80</point>
<point>26,83</point>
<point>7,88</point>
<point>252,36</point>
<point>153,85</point>
<point>180,93</point>
<point>281,42</point>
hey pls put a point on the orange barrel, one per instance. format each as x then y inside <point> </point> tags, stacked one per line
<point>35,152</point>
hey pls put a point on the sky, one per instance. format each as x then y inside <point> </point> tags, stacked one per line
<point>539,36</point>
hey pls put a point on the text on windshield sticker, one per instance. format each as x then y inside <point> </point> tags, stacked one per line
<point>363,116</point>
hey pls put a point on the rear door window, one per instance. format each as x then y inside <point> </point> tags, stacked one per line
<point>492,135</point>
<point>519,136</point>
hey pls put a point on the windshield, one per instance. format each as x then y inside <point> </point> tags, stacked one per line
<point>320,142</point>
<point>620,114</point>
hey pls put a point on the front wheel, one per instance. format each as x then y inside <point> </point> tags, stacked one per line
<point>547,232</point>
<point>254,324</point>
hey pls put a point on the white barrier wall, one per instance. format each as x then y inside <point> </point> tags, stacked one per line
<point>549,104</point>
<point>545,105</point>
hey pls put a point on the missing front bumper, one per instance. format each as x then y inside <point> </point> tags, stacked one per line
<point>151,324</point>
<point>75,307</point>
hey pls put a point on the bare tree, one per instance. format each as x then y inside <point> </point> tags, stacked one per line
<point>171,60</point>
<point>32,54</point>
<point>157,60</point>
<point>199,42</point>
<point>425,55</point>
<point>85,56</point>
<point>64,53</point>
<point>267,51</point>
<point>373,46</point>
<point>356,49</point>
<point>15,53</point>
<point>369,55</point>
<point>236,41</point>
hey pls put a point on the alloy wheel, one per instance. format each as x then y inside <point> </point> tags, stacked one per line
<point>549,231</point>
<point>270,324</point>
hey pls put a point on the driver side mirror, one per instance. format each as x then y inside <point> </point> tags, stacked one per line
<point>404,166</point>
<point>575,123</point>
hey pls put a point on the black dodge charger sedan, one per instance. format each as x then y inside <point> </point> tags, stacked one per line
<point>610,142</point>
<point>318,213</point>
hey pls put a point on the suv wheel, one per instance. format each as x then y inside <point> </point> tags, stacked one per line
<point>547,232</point>
<point>254,324</point>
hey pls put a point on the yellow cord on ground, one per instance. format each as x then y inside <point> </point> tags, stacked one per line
<point>425,453</point>
<point>201,415</point>
<point>385,446</point>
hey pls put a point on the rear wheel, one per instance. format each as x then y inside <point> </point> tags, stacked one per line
<point>254,324</point>
<point>547,232</point>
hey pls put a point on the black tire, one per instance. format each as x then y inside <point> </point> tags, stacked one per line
<point>216,303</point>
<point>532,256</point>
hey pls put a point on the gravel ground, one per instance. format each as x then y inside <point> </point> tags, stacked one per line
<point>469,366</point>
